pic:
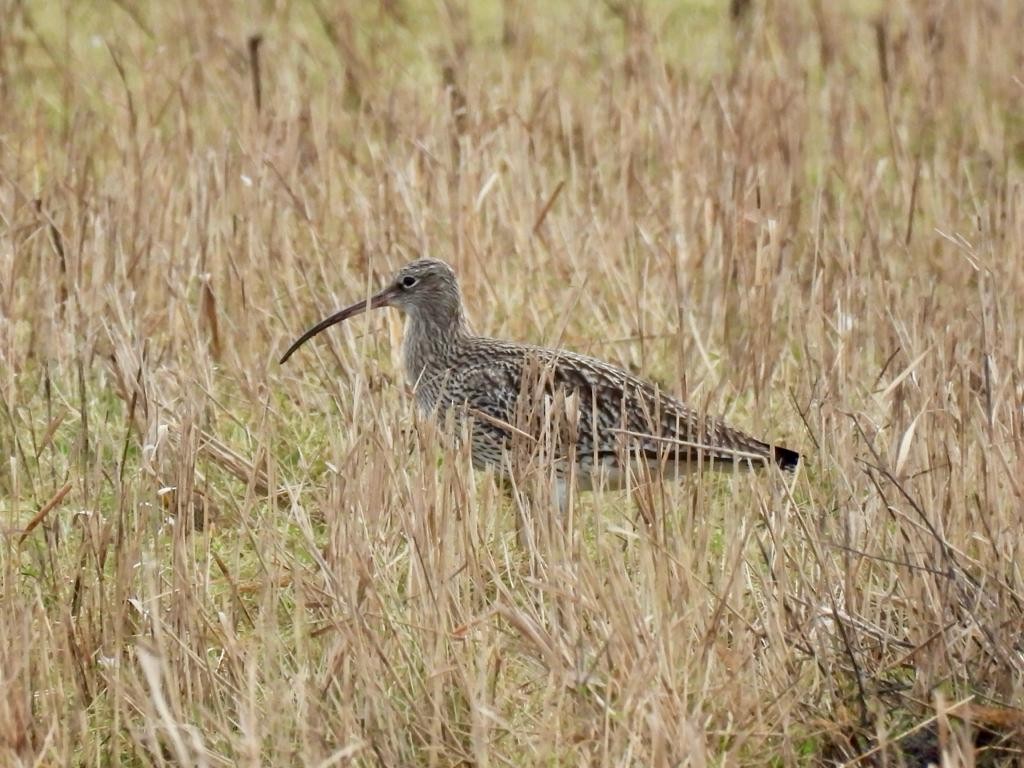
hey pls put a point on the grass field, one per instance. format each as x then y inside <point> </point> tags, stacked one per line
<point>807,217</point>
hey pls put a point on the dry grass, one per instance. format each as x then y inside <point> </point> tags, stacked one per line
<point>808,218</point>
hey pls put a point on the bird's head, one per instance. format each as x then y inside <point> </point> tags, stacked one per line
<point>427,286</point>
<point>426,289</point>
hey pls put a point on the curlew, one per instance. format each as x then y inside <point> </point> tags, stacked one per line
<point>599,422</point>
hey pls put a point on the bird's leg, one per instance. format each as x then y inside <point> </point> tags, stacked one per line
<point>560,494</point>
<point>553,500</point>
<point>542,513</point>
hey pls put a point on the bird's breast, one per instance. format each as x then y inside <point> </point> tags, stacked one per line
<point>428,384</point>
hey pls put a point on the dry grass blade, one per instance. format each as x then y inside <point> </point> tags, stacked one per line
<point>44,510</point>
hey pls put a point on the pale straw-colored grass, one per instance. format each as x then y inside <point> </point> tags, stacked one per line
<point>808,218</point>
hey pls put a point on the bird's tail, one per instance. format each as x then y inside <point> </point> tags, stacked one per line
<point>785,458</point>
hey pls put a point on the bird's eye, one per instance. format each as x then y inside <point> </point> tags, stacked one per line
<point>409,281</point>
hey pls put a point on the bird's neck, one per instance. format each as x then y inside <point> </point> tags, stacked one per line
<point>431,341</point>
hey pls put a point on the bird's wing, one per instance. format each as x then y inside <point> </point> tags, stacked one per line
<point>513,385</point>
<point>654,421</point>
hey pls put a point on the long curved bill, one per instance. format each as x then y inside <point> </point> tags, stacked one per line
<point>381,299</point>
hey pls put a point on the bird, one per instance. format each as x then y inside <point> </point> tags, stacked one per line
<point>601,425</point>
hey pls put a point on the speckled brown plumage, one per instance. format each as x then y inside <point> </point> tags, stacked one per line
<point>603,416</point>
